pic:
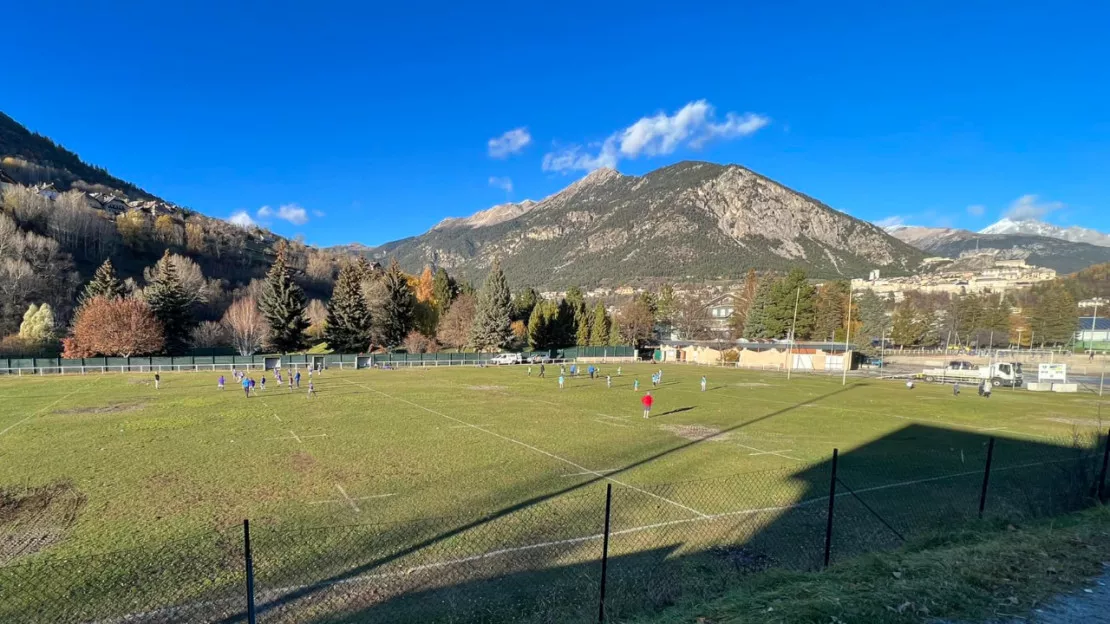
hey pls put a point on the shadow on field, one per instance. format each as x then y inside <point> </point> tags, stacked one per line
<point>539,560</point>
<point>367,568</point>
<point>677,410</point>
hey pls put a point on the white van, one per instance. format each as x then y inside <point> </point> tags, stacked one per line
<point>506,358</point>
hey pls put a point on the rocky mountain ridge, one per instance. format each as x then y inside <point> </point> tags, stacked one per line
<point>691,220</point>
<point>1060,255</point>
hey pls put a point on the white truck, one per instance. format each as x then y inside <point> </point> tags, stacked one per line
<point>998,373</point>
<point>506,358</point>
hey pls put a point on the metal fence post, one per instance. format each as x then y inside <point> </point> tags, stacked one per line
<point>250,570</point>
<point>986,478</point>
<point>1102,473</point>
<point>832,505</point>
<point>605,552</point>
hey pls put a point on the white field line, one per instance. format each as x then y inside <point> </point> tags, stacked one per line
<point>533,448</point>
<point>763,452</point>
<point>611,424</point>
<point>50,405</point>
<point>591,472</point>
<point>769,452</point>
<point>262,596</point>
<point>466,426</point>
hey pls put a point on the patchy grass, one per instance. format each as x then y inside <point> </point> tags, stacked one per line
<point>451,463</point>
<point>985,573</point>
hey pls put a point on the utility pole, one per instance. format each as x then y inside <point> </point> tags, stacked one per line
<point>847,338</point>
<point>1093,321</point>
<point>793,333</point>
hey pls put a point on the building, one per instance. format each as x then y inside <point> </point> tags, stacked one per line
<point>719,313</point>
<point>1093,333</point>
<point>802,356</point>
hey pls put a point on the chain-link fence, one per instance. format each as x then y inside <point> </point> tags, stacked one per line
<point>607,548</point>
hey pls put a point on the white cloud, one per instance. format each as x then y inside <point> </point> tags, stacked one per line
<point>512,142</point>
<point>976,210</point>
<point>891,221</point>
<point>691,126</point>
<point>1030,207</point>
<point>242,218</point>
<point>505,184</point>
<point>292,213</point>
<point>318,213</point>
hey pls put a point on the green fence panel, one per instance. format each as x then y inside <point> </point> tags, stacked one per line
<point>71,362</point>
<point>223,359</point>
<point>97,361</point>
<point>295,358</point>
<point>161,361</point>
<point>204,359</point>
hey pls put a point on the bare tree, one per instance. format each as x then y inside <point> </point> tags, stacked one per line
<point>209,334</point>
<point>317,314</point>
<point>246,325</point>
<point>636,322</point>
<point>454,327</point>
<point>692,320</point>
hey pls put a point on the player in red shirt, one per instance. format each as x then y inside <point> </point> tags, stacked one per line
<point>648,400</point>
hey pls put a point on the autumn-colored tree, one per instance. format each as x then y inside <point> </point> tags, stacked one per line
<point>317,314</point>
<point>636,322</point>
<point>425,286</point>
<point>454,327</point>
<point>114,327</point>
<point>246,325</point>
<point>417,342</point>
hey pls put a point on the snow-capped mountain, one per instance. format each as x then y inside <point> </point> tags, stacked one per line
<point>1032,227</point>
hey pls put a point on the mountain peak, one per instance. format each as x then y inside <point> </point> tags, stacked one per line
<point>1033,227</point>
<point>690,220</point>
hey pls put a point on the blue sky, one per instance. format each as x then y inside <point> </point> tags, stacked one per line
<point>371,122</point>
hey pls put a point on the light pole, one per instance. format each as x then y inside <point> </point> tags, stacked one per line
<point>793,333</point>
<point>847,337</point>
<point>1094,319</point>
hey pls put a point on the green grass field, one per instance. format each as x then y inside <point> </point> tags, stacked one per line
<point>468,461</point>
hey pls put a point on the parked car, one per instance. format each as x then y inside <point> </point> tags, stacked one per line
<point>540,359</point>
<point>873,362</point>
<point>506,358</point>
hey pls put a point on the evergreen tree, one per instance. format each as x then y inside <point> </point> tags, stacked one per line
<point>283,305</point>
<point>443,290</point>
<point>104,284</point>
<point>1054,316</point>
<point>566,325</point>
<point>493,316</point>
<point>523,303</point>
<point>742,302</point>
<point>907,328</point>
<point>582,330</point>
<point>755,325</point>
<point>171,305</point>
<point>873,321</point>
<point>615,339</point>
<point>544,326</point>
<point>599,326</point>
<point>396,317</point>
<point>791,297</point>
<point>831,310</point>
<point>348,326</point>
<point>666,305</point>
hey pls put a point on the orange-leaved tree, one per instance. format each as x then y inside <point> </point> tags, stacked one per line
<point>115,327</point>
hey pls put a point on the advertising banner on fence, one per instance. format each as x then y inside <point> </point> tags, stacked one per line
<point>1052,372</point>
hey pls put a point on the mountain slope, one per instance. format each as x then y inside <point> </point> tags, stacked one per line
<point>689,220</point>
<point>30,158</point>
<point>1032,227</point>
<point>1053,253</point>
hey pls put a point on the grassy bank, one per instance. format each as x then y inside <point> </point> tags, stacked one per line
<point>981,574</point>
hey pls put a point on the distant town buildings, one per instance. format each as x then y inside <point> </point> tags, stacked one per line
<point>999,276</point>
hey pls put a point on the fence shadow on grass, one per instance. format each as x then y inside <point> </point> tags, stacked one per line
<point>540,560</point>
